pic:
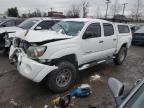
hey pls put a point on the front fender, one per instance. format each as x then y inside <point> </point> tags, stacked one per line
<point>66,52</point>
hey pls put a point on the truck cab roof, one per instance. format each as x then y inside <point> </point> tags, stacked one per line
<point>85,20</point>
<point>45,18</point>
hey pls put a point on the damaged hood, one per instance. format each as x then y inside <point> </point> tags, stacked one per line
<point>9,29</point>
<point>19,34</point>
<point>45,35</point>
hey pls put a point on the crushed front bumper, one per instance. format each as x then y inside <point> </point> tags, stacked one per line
<point>33,70</point>
<point>13,53</point>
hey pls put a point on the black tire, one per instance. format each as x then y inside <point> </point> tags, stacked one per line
<point>52,79</point>
<point>120,57</point>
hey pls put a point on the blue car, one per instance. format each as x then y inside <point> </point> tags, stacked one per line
<point>138,36</point>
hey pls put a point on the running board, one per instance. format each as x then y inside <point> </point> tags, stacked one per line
<point>85,66</point>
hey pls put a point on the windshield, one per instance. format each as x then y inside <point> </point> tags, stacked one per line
<point>28,23</point>
<point>70,28</point>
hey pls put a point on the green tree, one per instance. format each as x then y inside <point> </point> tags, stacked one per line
<point>12,12</point>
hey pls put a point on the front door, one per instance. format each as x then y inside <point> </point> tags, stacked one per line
<point>91,46</point>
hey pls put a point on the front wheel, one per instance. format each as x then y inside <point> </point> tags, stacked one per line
<point>62,78</point>
<point>120,57</point>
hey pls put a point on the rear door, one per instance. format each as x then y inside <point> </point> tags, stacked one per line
<point>110,39</point>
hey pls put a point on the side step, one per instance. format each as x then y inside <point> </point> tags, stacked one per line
<point>85,66</point>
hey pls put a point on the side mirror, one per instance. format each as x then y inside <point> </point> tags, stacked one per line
<point>116,87</point>
<point>87,35</point>
<point>38,28</point>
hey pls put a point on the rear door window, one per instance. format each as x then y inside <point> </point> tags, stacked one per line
<point>123,29</point>
<point>108,29</point>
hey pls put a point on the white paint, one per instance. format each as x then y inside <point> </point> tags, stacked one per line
<point>32,69</point>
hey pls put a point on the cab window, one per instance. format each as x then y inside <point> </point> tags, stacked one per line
<point>95,29</point>
<point>108,29</point>
<point>123,29</point>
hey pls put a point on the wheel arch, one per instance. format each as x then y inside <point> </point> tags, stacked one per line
<point>122,45</point>
<point>72,58</point>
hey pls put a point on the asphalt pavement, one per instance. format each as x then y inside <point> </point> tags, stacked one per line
<point>27,93</point>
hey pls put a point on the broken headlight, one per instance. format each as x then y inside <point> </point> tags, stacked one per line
<point>37,51</point>
<point>16,42</point>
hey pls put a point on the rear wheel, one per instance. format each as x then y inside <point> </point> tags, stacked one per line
<point>120,57</point>
<point>62,78</point>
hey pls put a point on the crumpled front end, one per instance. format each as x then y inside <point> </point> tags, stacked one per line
<point>17,44</point>
<point>32,69</point>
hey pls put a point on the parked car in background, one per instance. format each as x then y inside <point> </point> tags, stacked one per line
<point>133,99</point>
<point>7,33</point>
<point>67,47</point>
<point>10,21</point>
<point>138,36</point>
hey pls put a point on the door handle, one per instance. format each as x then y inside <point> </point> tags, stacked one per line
<point>114,39</point>
<point>101,41</point>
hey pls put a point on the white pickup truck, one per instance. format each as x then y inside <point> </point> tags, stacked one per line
<point>69,46</point>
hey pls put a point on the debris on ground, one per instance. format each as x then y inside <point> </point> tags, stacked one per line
<point>45,106</point>
<point>95,77</point>
<point>17,105</point>
<point>61,102</point>
<point>82,91</point>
